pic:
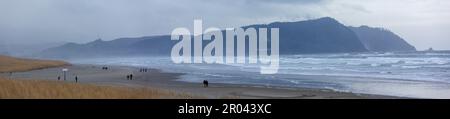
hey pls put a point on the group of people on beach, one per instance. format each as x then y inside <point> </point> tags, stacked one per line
<point>105,68</point>
<point>76,79</point>
<point>143,70</point>
<point>130,76</point>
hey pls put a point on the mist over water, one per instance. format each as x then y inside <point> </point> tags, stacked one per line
<point>418,75</point>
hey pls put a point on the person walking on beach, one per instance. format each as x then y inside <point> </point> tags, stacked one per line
<point>131,76</point>
<point>205,83</point>
<point>128,77</point>
<point>76,79</point>
<point>59,78</point>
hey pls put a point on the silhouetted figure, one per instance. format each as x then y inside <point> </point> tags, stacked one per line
<point>76,79</point>
<point>131,76</point>
<point>128,77</point>
<point>59,78</point>
<point>205,83</point>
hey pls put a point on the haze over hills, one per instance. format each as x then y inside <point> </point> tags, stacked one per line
<point>26,49</point>
<point>3,49</point>
<point>381,40</point>
<point>324,35</point>
<point>152,45</point>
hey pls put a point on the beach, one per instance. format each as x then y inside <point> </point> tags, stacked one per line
<point>12,87</point>
<point>117,76</point>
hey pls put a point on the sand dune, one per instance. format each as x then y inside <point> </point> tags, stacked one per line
<point>11,64</point>
<point>34,89</point>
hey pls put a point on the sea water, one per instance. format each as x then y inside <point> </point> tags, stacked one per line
<point>417,74</point>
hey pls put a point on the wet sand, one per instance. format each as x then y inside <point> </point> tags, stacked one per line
<point>116,76</point>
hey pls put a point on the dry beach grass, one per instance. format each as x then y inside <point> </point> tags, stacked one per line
<point>11,64</point>
<point>32,89</point>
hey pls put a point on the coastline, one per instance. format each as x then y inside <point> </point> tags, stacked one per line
<point>154,78</point>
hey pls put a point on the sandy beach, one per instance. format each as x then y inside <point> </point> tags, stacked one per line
<point>116,76</point>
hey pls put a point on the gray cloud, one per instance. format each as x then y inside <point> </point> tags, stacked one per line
<point>42,21</point>
<point>286,1</point>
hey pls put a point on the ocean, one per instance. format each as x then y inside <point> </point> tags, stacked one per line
<point>415,74</point>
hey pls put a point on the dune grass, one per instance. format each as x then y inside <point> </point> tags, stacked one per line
<point>33,89</point>
<point>11,64</point>
<point>41,89</point>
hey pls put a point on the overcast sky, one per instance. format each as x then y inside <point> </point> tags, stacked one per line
<point>423,23</point>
